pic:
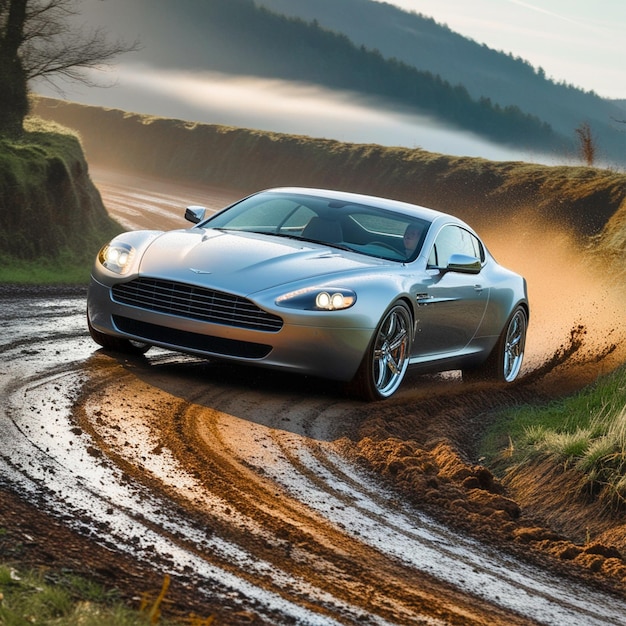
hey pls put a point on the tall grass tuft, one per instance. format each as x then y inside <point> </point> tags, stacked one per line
<point>585,433</point>
<point>603,462</point>
<point>38,597</point>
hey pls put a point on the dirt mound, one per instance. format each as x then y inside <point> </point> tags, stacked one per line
<point>545,490</point>
<point>423,453</point>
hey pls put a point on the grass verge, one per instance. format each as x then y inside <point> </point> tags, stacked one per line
<point>58,598</point>
<point>63,271</point>
<point>584,433</point>
<point>52,220</point>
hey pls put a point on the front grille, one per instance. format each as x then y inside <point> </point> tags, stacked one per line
<point>197,303</point>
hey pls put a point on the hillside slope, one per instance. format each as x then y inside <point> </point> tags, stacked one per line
<point>237,38</point>
<point>374,48</point>
<point>50,210</point>
<point>577,198</point>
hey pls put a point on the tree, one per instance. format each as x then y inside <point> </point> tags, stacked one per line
<point>586,143</point>
<point>13,90</point>
<point>39,40</point>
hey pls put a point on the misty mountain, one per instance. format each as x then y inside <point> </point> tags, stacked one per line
<point>505,80</point>
<point>371,48</point>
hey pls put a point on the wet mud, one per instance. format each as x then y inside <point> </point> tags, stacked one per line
<point>276,499</point>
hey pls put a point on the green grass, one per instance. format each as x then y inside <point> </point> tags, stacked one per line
<point>585,432</point>
<point>61,599</point>
<point>44,271</point>
<point>52,220</point>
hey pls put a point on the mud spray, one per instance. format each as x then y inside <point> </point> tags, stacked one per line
<point>577,301</point>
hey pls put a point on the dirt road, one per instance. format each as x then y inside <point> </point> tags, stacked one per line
<point>245,485</point>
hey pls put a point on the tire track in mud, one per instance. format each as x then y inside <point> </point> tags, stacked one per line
<point>413,536</point>
<point>242,489</point>
<point>285,533</point>
<point>77,484</point>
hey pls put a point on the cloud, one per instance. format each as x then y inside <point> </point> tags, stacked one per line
<point>532,7</point>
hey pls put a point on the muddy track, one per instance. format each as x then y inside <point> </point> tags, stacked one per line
<point>237,483</point>
<point>244,486</point>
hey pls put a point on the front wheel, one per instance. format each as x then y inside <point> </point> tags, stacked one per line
<point>387,358</point>
<point>505,361</point>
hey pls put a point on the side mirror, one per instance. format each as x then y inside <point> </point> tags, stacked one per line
<point>195,214</point>
<point>464,264</point>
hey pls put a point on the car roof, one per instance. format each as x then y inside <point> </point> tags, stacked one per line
<point>406,208</point>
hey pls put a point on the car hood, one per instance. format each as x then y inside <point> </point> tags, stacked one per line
<point>243,263</point>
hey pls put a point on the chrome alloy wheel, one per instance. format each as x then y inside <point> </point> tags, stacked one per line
<point>514,344</point>
<point>391,350</point>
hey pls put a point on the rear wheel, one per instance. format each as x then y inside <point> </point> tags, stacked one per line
<point>117,344</point>
<point>385,363</point>
<point>505,361</point>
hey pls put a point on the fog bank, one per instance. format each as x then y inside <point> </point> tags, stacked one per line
<point>279,106</point>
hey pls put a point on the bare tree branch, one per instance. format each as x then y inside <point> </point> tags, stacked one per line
<point>52,45</point>
<point>41,39</point>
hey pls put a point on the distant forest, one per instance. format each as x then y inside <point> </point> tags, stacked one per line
<point>421,42</point>
<point>239,37</point>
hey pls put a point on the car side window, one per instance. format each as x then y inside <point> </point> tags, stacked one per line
<point>451,240</point>
<point>470,245</point>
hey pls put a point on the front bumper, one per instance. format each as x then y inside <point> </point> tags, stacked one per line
<point>306,343</point>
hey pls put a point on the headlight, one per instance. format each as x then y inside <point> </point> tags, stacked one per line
<point>117,257</point>
<point>318,299</point>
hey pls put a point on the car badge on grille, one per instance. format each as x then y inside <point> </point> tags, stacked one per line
<point>196,271</point>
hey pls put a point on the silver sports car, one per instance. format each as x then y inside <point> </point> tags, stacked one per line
<point>338,285</point>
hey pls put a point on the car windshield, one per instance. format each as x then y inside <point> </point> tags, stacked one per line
<point>358,227</point>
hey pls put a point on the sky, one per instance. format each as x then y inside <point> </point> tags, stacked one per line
<point>581,42</point>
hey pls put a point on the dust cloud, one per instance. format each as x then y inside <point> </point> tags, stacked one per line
<point>573,295</point>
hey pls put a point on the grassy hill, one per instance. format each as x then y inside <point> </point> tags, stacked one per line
<point>580,199</point>
<point>52,220</point>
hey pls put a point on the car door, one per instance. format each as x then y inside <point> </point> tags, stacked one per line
<point>450,304</point>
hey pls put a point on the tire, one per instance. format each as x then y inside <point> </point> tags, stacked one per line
<point>385,363</point>
<point>505,361</point>
<point>117,344</point>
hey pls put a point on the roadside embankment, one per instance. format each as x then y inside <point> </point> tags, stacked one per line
<point>580,199</point>
<point>52,219</point>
